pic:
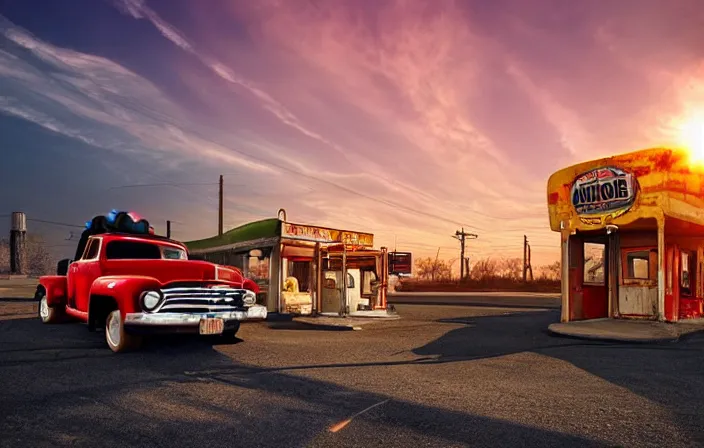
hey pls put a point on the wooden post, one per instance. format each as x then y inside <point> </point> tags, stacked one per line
<point>317,285</point>
<point>220,207</point>
<point>383,288</point>
<point>525,257</point>
<point>18,246</point>
<point>344,309</point>
<point>661,270</point>
<point>565,274</point>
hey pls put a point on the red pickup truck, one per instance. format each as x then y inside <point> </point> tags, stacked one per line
<point>135,285</point>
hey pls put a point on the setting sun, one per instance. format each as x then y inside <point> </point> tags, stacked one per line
<point>692,136</point>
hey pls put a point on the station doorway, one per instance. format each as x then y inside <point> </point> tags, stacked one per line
<point>590,276</point>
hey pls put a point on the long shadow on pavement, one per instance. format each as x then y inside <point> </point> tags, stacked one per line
<point>56,393</point>
<point>667,373</point>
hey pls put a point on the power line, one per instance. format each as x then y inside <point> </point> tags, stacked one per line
<point>55,223</point>
<point>355,192</point>
<point>164,184</point>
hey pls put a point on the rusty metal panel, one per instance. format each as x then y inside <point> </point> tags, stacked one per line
<point>637,300</point>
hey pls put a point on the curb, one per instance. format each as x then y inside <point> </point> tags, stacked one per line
<point>297,325</point>
<point>626,339</point>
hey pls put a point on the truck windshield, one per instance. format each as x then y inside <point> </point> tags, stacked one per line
<point>136,250</point>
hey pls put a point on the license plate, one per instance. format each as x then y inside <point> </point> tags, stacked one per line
<point>211,325</point>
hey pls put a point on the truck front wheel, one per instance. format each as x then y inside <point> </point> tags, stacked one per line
<point>118,340</point>
<point>47,314</point>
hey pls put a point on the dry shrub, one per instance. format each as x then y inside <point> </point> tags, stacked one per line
<point>488,274</point>
<point>38,261</point>
<point>4,256</point>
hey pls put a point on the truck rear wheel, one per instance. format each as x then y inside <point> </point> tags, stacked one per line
<point>118,340</point>
<point>47,314</point>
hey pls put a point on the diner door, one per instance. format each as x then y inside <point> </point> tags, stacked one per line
<point>589,292</point>
<point>576,257</point>
<point>332,292</point>
<point>672,285</point>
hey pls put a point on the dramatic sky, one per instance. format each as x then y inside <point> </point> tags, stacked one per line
<point>409,118</point>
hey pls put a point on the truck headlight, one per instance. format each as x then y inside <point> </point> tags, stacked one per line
<point>249,298</point>
<point>150,300</point>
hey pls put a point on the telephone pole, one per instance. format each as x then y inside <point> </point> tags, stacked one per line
<point>220,207</point>
<point>462,236</point>
<point>168,229</point>
<point>526,260</point>
<point>18,246</point>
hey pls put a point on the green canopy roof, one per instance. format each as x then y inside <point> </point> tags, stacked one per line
<point>267,228</point>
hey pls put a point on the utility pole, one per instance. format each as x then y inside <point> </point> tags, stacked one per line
<point>526,260</point>
<point>168,229</point>
<point>220,207</point>
<point>18,247</point>
<point>462,237</point>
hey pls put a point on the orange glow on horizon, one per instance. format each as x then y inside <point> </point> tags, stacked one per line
<point>691,136</point>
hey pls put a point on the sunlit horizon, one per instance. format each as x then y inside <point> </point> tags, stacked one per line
<point>409,120</point>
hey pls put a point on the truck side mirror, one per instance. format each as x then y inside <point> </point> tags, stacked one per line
<point>62,266</point>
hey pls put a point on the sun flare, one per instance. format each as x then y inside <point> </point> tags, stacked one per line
<point>692,136</point>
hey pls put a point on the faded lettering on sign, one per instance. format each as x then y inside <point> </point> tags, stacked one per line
<point>604,191</point>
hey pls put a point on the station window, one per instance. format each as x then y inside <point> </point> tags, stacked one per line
<point>594,263</point>
<point>686,265</point>
<point>301,269</point>
<point>637,265</point>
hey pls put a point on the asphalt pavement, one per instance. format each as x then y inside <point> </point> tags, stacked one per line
<point>440,376</point>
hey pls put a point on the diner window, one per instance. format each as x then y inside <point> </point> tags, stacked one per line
<point>638,265</point>
<point>302,271</point>
<point>594,272</point>
<point>686,265</point>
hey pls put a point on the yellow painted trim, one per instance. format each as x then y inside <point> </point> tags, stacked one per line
<point>670,184</point>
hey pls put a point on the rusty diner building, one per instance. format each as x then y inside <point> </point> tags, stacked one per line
<point>632,236</point>
<point>303,269</point>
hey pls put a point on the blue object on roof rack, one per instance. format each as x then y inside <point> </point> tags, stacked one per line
<point>125,222</point>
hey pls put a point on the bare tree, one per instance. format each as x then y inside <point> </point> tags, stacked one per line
<point>511,268</point>
<point>433,269</point>
<point>484,269</point>
<point>552,271</point>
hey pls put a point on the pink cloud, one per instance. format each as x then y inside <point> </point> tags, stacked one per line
<point>412,118</point>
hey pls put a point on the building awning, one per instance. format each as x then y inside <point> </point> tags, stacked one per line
<point>264,232</point>
<point>269,232</point>
<point>626,188</point>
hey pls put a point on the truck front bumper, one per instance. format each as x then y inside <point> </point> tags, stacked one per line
<point>187,322</point>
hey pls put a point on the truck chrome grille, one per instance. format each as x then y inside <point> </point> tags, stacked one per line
<point>203,300</point>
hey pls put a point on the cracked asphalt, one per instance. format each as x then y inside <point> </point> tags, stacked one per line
<point>444,375</point>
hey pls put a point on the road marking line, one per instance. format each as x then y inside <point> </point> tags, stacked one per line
<point>341,425</point>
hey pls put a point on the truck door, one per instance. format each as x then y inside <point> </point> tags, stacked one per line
<point>81,275</point>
